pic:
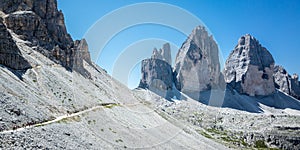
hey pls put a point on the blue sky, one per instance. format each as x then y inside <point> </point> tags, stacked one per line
<point>275,23</point>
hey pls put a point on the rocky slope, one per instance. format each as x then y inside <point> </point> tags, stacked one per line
<point>42,26</point>
<point>250,112</point>
<point>53,97</point>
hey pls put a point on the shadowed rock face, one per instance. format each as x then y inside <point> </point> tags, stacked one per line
<point>197,66</point>
<point>37,21</point>
<point>157,74</point>
<point>41,25</point>
<point>286,83</point>
<point>249,68</point>
<point>10,54</point>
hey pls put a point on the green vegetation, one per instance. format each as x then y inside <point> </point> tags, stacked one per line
<point>119,140</point>
<point>110,105</point>
<point>34,81</point>
<point>70,119</point>
<point>260,144</point>
<point>216,131</point>
<point>112,130</point>
<point>91,121</point>
<point>204,134</point>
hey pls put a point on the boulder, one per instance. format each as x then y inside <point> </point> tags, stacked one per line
<point>249,68</point>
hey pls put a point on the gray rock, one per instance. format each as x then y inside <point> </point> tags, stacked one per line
<point>163,54</point>
<point>286,83</point>
<point>249,68</point>
<point>10,54</point>
<point>42,25</point>
<point>197,66</point>
<point>157,74</point>
<point>81,54</point>
<point>31,15</point>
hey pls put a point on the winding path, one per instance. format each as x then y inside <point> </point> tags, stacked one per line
<point>59,118</point>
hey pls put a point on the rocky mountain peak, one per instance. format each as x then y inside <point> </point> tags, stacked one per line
<point>163,54</point>
<point>157,74</point>
<point>41,25</point>
<point>197,66</point>
<point>37,21</point>
<point>287,83</point>
<point>249,68</point>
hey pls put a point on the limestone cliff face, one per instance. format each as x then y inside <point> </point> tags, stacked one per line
<point>286,83</point>
<point>10,54</point>
<point>157,74</point>
<point>42,26</point>
<point>163,54</point>
<point>38,21</point>
<point>197,66</point>
<point>249,68</point>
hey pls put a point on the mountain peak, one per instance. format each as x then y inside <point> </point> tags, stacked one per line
<point>249,68</point>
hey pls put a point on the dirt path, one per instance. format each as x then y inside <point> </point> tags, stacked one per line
<point>59,118</point>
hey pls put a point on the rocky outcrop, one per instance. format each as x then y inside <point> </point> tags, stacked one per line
<point>286,83</point>
<point>163,54</point>
<point>10,54</point>
<point>41,25</point>
<point>197,66</point>
<point>249,68</point>
<point>81,56</point>
<point>37,21</point>
<point>157,74</point>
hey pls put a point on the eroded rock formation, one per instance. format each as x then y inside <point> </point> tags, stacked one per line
<point>286,83</point>
<point>249,68</point>
<point>197,66</point>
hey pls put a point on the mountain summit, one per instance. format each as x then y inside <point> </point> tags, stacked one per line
<point>197,66</point>
<point>249,68</point>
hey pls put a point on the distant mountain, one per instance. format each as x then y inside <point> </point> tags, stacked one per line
<point>52,96</point>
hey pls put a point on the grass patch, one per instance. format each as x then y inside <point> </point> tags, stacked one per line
<point>71,119</point>
<point>112,130</point>
<point>119,140</point>
<point>216,131</point>
<point>260,144</point>
<point>204,134</point>
<point>109,106</point>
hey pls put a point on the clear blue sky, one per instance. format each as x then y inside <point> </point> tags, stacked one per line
<point>275,23</point>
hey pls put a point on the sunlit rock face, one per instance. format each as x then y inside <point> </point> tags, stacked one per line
<point>197,66</point>
<point>163,54</point>
<point>249,68</point>
<point>286,83</point>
